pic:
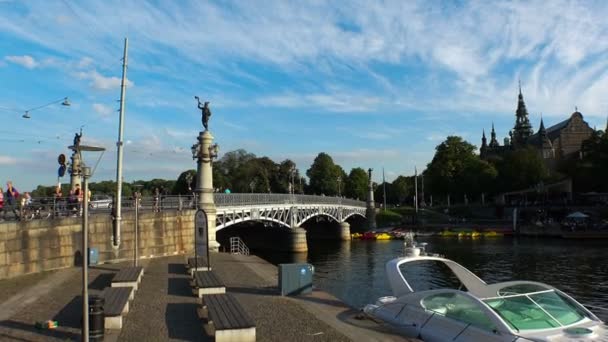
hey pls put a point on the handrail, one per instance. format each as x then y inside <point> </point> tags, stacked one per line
<point>52,207</point>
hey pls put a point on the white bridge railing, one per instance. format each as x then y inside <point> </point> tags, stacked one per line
<point>226,200</point>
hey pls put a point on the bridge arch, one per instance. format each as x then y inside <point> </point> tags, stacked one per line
<point>347,216</point>
<point>313,215</point>
<point>238,220</point>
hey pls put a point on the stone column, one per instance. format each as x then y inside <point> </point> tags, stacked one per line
<point>204,186</point>
<point>297,240</point>
<point>75,174</point>
<point>344,231</point>
<point>371,205</point>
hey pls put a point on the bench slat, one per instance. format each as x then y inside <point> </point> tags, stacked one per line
<point>207,279</point>
<point>226,313</point>
<point>129,274</point>
<point>202,262</point>
<point>115,300</point>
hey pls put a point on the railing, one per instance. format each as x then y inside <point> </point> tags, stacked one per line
<point>51,207</point>
<point>225,200</point>
<point>237,246</point>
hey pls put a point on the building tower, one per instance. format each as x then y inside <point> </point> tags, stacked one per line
<point>544,144</point>
<point>484,145</point>
<point>493,141</point>
<point>522,129</point>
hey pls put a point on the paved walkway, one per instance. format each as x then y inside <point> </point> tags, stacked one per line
<point>164,308</point>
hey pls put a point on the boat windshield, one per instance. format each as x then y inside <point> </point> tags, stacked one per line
<point>543,309</point>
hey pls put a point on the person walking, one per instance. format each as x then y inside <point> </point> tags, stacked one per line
<point>11,197</point>
<point>2,203</point>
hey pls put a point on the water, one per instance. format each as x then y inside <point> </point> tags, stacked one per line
<point>354,270</point>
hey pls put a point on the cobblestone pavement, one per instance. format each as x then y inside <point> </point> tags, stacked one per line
<point>164,308</point>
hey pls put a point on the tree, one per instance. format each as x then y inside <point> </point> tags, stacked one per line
<point>323,175</point>
<point>447,169</point>
<point>181,186</point>
<point>521,169</point>
<point>403,189</point>
<point>356,184</point>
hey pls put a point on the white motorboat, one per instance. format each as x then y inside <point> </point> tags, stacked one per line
<point>507,311</point>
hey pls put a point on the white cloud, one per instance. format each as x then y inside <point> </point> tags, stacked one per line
<point>101,82</point>
<point>333,102</point>
<point>102,110</point>
<point>7,160</point>
<point>25,61</point>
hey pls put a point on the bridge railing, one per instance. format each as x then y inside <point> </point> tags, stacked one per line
<point>51,207</point>
<point>224,200</point>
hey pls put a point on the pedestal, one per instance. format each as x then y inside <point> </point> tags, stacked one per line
<point>204,186</point>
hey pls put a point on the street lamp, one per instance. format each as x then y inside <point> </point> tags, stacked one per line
<point>26,113</point>
<point>86,173</point>
<point>339,180</point>
<point>137,199</point>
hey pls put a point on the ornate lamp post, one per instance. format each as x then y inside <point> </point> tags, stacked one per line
<point>204,152</point>
<point>86,174</point>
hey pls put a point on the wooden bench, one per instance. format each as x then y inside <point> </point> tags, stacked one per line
<point>197,264</point>
<point>206,282</point>
<point>129,277</point>
<point>116,305</point>
<point>226,319</point>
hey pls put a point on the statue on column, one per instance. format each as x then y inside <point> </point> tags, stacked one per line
<point>76,144</point>
<point>205,111</point>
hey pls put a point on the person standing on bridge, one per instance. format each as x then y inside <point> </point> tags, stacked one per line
<point>2,203</point>
<point>11,196</point>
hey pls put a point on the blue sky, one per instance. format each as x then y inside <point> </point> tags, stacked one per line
<point>372,83</point>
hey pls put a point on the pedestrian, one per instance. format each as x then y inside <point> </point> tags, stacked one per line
<point>11,197</point>
<point>2,203</point>
<point>156,200</point>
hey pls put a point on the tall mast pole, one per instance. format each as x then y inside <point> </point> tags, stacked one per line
<point>384,189</point>
<point>416,189</point>
<point>119,144</point>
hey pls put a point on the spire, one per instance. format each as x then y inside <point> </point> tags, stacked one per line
<point>493,141</point>
<point>541,129</point>
<point>523,128</point>
<point>484,141</point>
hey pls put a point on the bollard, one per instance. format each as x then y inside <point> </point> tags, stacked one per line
<point>96,318</point>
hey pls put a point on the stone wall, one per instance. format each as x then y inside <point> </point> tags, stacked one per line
<point>42,245</point>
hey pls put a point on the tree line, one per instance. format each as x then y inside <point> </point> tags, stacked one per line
<point>455,169</point>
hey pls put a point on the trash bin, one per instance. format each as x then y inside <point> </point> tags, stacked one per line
<point>295,279</point>
<point>96,318</point>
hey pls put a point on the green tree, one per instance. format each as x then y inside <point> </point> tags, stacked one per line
<point>521,168</point>
<point>447,169</point>
<point>323,175</point>
<point>356,184</point>
<point>182,187</point>
<point>403,190</point>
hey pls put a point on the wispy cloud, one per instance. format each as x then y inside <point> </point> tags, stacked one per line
<point>25,61</point>
<point>101,82</point>
<point>7,160</point>
<point>102,110</point>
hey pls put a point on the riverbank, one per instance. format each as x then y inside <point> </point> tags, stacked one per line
<point>165,309</point>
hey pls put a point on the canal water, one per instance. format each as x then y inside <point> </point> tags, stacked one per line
<point>354,270</point>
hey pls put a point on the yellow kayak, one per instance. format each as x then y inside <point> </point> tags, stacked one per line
<point>383,236</point>
<point>356,235</point>
<point>448,233</point>
<point>492,234</point>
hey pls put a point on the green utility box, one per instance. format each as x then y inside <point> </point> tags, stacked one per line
<point>295,279</point>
